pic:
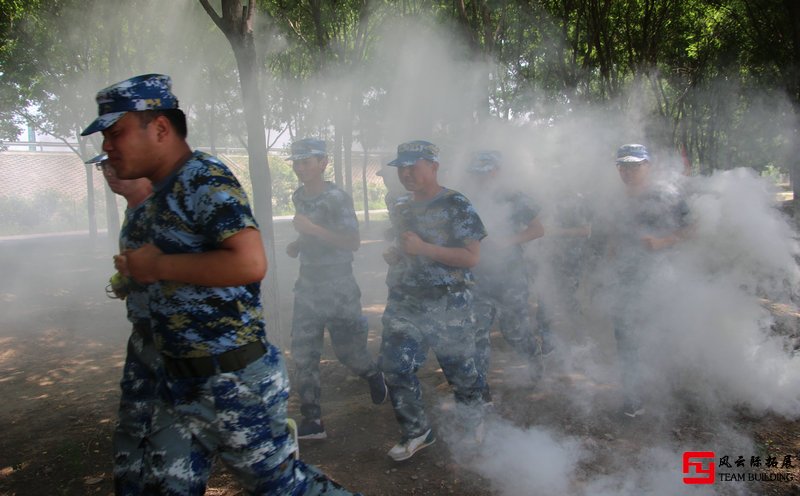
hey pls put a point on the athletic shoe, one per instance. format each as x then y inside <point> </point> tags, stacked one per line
<point>535,370</point>
<point>406,448</point>
<point>292,426</point>
<point>633,409</point>
<point>377,388</point>
<point>546,348</point>
<point>311,429</point>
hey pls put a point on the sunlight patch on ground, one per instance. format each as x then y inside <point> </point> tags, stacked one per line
<point>54,338</point>
<point>375,309</point>
<point>40,397</point>
<point>6,471</point>
<point>93,345</point>
<point>80,362</point>
<point>8,355</point>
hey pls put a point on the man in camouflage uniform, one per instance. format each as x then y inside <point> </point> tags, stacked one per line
<point>225,388</point>
<point>142,371</point>
<point>326,293</point>
<point>430,301</point>
<point>501,289</point>
<point>563,255</point>
<point>652,218</point>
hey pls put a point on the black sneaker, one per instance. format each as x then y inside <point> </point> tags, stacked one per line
<point>377,388</point>
<point>311,429</point>
<point>546,348</point>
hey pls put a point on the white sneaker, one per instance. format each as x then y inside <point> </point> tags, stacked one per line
<point>633,409</point>
<point>292,426</point>
<point>406,448</point>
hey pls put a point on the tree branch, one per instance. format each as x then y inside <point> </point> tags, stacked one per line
<point>212,14</point>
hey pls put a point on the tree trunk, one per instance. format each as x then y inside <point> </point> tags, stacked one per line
<point>90,212</point>
<point>364,186</point>
<point>237,25</point>
<point>337,152</point>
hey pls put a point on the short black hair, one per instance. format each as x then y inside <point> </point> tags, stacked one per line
<point>176,117</point>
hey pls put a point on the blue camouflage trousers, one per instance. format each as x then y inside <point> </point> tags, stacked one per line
<point>508,304</point>
<point>414,323</point>
<point>141,375</point>
<point>336,304</point>
<point>239,417</point>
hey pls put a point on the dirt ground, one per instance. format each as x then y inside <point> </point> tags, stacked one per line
<point>62,344</point>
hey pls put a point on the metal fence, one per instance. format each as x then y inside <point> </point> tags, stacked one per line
<point>47,190</point>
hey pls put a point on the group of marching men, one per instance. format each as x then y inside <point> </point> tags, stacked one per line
<point>200,378</point>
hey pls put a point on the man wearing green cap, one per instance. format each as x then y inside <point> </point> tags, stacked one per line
<point>224,388</point>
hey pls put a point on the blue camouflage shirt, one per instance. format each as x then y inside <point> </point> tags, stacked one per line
<point>194,211</point>
<point>333,210</point>
<point>134,233</point>
<point>660,211</point>
<point>449,220</point>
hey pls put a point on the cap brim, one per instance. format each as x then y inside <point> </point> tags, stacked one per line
<point>630,159</point>
<point>402,163</point>
<point>103,122</point>
<point>96,160</point>
<point>302,156</point>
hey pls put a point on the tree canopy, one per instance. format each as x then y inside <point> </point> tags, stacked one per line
<point>716,78</point>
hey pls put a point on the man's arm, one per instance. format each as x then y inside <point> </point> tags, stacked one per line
<point>653,243</point>
<point>347,241</point>
<point>465,257</point>
<point>239,260</point>
<point>533,230</point>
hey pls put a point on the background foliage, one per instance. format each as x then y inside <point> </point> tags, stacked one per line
<point>718,79</point>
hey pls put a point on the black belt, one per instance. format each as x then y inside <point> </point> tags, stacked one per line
<point>144,331</point>
<point>429,292</point>
<point>318,273</point>
<point>230,361</point>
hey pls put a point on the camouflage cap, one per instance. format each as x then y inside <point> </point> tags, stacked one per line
<point>145,92</point>
<point>632,153</point>
<point>485,161</point>
<point>409,152</point>
<point>98,159</point>
<point>308,147</point>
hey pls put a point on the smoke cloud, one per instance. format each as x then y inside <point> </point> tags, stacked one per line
<point>713,345</point>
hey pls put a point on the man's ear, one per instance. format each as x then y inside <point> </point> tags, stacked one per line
<point>162,126</point>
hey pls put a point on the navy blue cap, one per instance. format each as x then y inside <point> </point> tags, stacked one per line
<point>632,154</point>
<point>308,147</point>
<point>409,152</point>
<point>145,92</point>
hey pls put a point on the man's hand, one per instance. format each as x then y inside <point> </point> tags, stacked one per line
<point>391,255</point>
<point>653,243</point>
<point>412,244</point>
<point>141,263</point>
<point>303,224</point>
<point>293,249</point>
<point>121,264</point>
